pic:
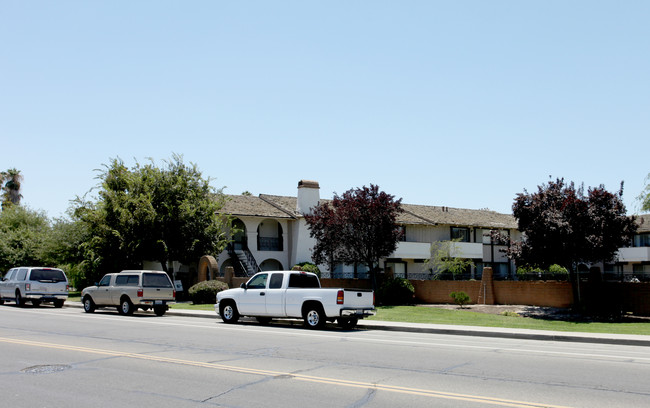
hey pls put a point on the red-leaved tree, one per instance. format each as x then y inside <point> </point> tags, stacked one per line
<point>358,227</point>
<point>562,225</point>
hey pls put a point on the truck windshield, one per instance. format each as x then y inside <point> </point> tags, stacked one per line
<point>298,280</point>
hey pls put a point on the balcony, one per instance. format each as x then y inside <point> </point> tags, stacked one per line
<point>422,250</point>
<point>470,250</point>
<point>412,250</point>
<point>635,254</point>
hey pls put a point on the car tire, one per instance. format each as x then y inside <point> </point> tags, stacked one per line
<point>126,307</point>
<point>89,305</point>
<point>159,310</point>
<point>19,300</point>
<point>348,323</point>
<point>228,312</point>
<point>314,317</point>
<point>58,304</point>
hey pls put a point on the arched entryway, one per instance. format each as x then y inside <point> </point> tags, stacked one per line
<point>271,265</point>
<point>269,236</point>
<point>239,240</point>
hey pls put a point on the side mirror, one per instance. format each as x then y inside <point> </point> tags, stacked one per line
<point>243,285</point>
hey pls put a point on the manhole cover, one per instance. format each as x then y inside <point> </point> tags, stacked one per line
<point>45,369</point>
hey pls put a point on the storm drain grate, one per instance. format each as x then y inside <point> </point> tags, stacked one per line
<point>45,369</point>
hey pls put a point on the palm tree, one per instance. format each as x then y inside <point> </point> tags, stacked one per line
<point>11,194</point>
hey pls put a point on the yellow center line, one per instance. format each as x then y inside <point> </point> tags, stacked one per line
<point>299,377</point>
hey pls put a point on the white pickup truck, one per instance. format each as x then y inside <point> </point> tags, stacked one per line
<point>294,294</point>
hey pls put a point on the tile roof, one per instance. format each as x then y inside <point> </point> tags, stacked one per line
<point>253,207</point>
<point>459,216</point>
<point>643,221</point>
<point>273,206</point>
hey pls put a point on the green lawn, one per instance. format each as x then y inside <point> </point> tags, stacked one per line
<point>419,314</point>
<point>190,306</point>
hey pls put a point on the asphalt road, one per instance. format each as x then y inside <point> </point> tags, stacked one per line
<point>66,358</point>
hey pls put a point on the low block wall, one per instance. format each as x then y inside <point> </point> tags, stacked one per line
<point>552,294</point>
<point>632,297</point>
<point>437,291</point>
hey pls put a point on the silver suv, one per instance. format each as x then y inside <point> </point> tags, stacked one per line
<point>35,284</point>
<point>131,290</point>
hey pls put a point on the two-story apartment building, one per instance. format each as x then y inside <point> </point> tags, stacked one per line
<point>272,234</point>
<point>633,262</point>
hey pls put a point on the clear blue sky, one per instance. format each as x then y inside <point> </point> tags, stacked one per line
<point>455,103</point>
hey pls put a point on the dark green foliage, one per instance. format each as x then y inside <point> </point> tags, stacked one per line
<point>309,267</point>
<point>395,291</point>
<point>533,273</point>
<point>148,213</point>
<point>205,292</point>
<point>23,234</point>
<point>460,298</point>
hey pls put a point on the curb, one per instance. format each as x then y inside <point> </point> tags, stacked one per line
<point>520,334</point>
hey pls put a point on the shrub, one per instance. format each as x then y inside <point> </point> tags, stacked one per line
<point>205,292</point>
<point>395,291</point>
<point>526,273</point>
<point>460,298</point>
<point>308,267</point>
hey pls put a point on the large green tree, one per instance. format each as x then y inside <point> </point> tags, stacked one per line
<point>23,233</point>
<point>358,227</point>
<point>151,213</point>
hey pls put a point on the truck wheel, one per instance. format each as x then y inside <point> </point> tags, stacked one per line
<point>159,310</point>
<point>19,300</point>
<point>348,323</point>
<point>126,307</point>
<point>89,305</point>
<point>314,317</point>
<point>228,312</point>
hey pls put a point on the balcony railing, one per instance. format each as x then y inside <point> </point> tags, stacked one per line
<point>269,244</point>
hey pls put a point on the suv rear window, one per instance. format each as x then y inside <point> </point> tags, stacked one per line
<point>47,275</point>
<point>299,280</point>
<point>127,280</point>
<point>155,280</point>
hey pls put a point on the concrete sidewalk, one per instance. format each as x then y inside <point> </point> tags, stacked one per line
<point>498,332</point>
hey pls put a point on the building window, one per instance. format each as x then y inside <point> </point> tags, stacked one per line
<point>642,240</point>
<point>502,238</point>
<point>402,230</point>
<point>460,233</point>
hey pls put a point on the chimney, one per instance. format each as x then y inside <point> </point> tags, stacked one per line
<point>308,196</point>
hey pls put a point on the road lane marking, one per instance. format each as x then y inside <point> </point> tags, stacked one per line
<point>298,377</point>
<point>283,332</point>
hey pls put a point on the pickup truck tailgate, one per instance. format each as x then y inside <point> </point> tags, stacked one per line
<point>358,298</point>
<point>158,293</point>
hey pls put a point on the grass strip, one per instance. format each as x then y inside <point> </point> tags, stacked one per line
<point>422,314</point>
